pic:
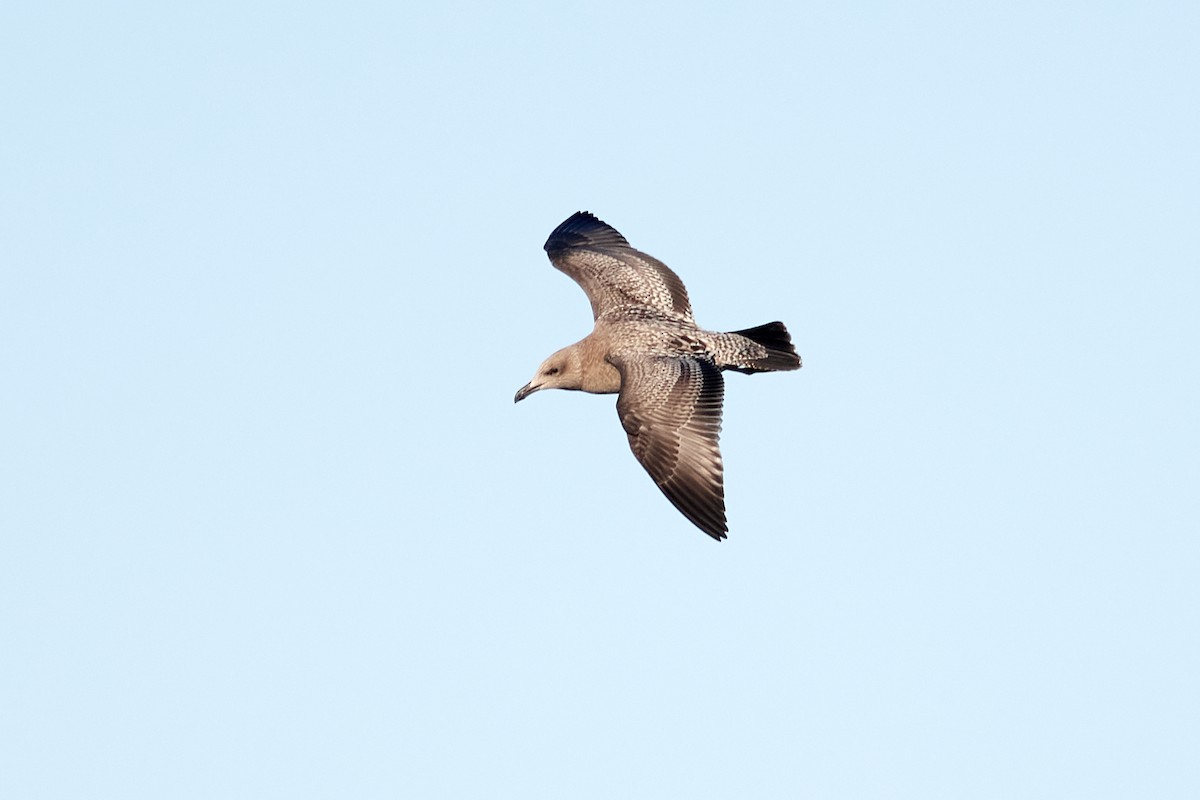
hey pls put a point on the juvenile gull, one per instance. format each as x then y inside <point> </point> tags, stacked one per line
<point>646,346</point>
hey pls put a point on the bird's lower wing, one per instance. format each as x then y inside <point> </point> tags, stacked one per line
<point>671,409</point>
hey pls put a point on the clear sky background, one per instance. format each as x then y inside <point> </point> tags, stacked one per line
<point>273,527</point>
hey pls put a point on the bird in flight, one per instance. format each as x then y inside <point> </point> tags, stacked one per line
<point>665,370</point>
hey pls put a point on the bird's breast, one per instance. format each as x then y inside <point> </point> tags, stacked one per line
<point>601,377</point>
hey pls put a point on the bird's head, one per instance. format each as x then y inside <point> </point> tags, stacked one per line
<point>560,371</point>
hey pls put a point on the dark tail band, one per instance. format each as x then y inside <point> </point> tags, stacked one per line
<point>781,355</point>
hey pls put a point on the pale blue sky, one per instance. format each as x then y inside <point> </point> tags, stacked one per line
<point>273,527</point>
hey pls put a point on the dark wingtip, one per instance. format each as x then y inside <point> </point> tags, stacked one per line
<point>584,229</point>
<point>708,517</point>
<point>717,532</point>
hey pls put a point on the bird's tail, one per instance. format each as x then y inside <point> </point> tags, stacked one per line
<point>772,337</point>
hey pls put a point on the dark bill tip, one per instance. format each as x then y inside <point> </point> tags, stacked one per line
<point>523,392</point>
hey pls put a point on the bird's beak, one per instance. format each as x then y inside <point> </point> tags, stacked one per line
<point>525,391</point>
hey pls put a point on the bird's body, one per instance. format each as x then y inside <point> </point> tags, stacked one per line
<point>647,347</point>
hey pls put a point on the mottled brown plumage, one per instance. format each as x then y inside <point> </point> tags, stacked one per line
<point>647,346</point>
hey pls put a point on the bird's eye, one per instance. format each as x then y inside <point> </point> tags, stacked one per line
<point>552,371</point>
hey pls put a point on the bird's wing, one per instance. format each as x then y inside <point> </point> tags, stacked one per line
<point>671,409</point>
<point>612,273</point>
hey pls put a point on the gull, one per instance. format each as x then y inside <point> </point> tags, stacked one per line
<point>665,370</point>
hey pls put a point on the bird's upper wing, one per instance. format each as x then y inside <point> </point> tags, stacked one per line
<point>671,409</point>
<point>612,273</point>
